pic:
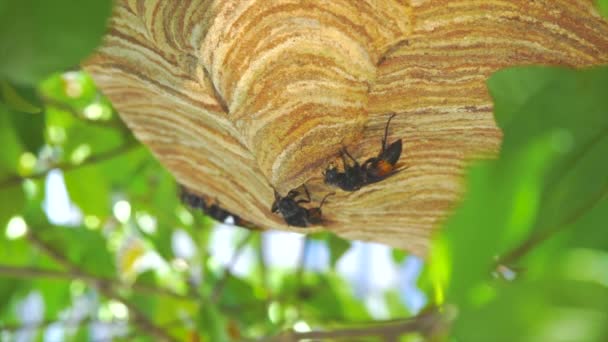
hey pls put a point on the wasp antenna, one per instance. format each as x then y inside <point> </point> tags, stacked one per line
<point>324,198</point>
<point>306,190</point>
<point>276,193</point>
<point>386,131</point>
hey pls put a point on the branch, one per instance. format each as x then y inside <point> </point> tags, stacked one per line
<point>423,323</point>
<point>34,272</point>
<point>66,107</point>
<point>144,324</point>
<point>219,286</point>
<point>66,166</point>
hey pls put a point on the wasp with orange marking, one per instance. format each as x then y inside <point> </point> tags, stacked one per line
<point>374,169</point>
<point>293,213</point>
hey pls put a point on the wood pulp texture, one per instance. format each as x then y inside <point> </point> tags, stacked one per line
<point>236,96</point>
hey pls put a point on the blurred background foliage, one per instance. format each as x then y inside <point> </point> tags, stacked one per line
<point>95,245</point>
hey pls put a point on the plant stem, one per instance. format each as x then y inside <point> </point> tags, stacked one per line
<point>66,166</point>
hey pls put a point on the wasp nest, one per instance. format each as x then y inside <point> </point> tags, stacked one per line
<point>237,97</point>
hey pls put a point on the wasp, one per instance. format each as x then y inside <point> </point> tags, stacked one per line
<point>293,213</point>
<point>374,169</point>
<point>214,210</point>
<point>351,179</point>
<point>379,167</point>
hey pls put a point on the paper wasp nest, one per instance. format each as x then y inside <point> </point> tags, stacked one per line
<point>234,97</point>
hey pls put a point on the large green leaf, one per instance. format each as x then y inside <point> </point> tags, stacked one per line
<point>553,140</point>
<point>39,37</point>
<point>550,182</point>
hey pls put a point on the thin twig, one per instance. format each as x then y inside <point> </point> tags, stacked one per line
<point>63,322</point>
<point>35,272</point>
<point>144,324</point>
<point>66,107</point>
<point>66,166</point>
<point>219,286</point>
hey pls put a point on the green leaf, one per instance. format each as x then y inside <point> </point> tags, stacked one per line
<point>398,255</point>
<point>20,99</point>
<point>573,105</point>
<point>12,201</point>
<point>551,168</point>
<point>337,247</point>
<point>56,295</point>
<point>602,5</point>
<point>508,190</point>
<point>212,324</point>
<point>30,130</point>
<point>39,37</point>
<point>83,247</point>
<point>395,305</point>
<point>544,310</point>
<point>70,90</point>
<point>88,189</point>
<point>11,144</point>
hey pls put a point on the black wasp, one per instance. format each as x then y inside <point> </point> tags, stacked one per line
<point>373,170</point>
<point>294,214</point>
<point>214,210</point>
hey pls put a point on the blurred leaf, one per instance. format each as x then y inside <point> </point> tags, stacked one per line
<point>56,295</point>
<point>238,291</point>
<point>20,99</point>
<point>40,37</point>
<point>603,7</point>
<point>12,201</point>
<point>74,89</point>
<point>510,93</point>
<point>11,145</point>
<point>577,106</point>
<point>77,244</point>
<point>398,255</point>
<point>168,312</point>
<point>395,305</point>
<point>337,247</point>
<point>15,252</point>
<point>325,298</point>
<point>211,324</point>
<point>30,130</point>
<point>88,189</point>
<point>548,310</point>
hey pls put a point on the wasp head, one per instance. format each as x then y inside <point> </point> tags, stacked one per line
<point>331,175</point>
